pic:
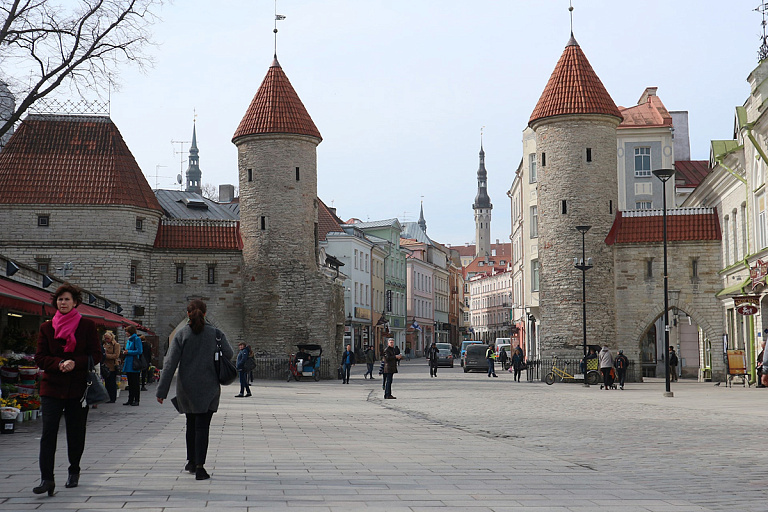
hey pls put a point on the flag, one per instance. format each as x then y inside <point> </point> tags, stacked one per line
<point>279,17</point>
<point>382,320</point>
<point>416,325</point>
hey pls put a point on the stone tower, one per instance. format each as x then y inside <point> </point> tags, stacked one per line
<point>194,174</point>
<point>422,221</point>
<point>575,124</point>
<point>482,207</point>
<point>287,299</point>
<point>7,107</point>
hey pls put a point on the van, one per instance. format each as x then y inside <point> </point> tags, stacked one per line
<point>475,358</point>
<point>504,346</point>
<point>464,345</point>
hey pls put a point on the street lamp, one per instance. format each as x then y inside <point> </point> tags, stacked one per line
<point>664,175</point>
<point>583,264</point>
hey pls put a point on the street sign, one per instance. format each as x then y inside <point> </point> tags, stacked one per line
<point>747,305</point>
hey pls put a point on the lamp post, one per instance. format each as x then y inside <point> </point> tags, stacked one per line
<point>583,264</point>
<point>664,175</point>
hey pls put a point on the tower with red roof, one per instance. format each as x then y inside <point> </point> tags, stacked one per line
<point>575,124</point>
<point>286,298</point>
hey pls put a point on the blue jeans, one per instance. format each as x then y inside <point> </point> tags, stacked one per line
<point>388,384</point>
<point>491,369</point>
<point>244,383</point>
<point>370,370</point>
<point>345,373</point>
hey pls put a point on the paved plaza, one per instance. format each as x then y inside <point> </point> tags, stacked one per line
<point>460,442</point>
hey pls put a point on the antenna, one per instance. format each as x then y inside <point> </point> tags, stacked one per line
<point>157,175</point>
<point>570,10</point>
<point>180,152</point>
<point>278,17</point>
<point>481,136</point>
<point>762,52</point>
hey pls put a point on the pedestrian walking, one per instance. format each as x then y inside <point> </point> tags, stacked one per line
<point>347,362</point>
<point>391,357</point>
<point>518,363</point>
<point>433,354</point>
<point>193,351</point>
<point>606,364</point>
<point>147,351</point>
<point>491,363</point>
<point>370,359</point>
<point>621,363</point>
<point>673,361</point>
<point>407,353</point>
<point>64,346</point>
<point>242,359</point>
<point>111,361</point>
<point>503,358</point>
<point>133,349</point>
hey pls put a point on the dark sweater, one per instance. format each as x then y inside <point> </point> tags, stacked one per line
<point>50,352</point>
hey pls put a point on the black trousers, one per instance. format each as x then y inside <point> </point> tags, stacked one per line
<point>198,429</point>
<point>75,418</point>
<point>432,369</point>
<point>111,384</point>
<point>134,391</point>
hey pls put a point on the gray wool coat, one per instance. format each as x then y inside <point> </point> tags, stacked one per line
<point>197,387</point>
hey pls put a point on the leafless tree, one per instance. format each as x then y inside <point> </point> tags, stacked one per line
<point>210,192</point>
<point>81,43</point>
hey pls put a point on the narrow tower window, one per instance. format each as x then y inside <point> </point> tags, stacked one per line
<point>297,174</point>
<point>263,223</point>
<point>250,174</point>
<point>563,207</point>
<point>589,154</point>
<point>610,206</point>
<point>543,159</point>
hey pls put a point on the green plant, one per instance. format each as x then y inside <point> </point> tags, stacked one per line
<point>15,339</point>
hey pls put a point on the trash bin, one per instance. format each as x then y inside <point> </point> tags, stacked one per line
<point>8,416</point>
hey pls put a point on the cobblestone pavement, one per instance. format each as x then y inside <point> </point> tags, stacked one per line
<point>460,442</point>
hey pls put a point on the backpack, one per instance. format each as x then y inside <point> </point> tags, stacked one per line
<point>673,360</point>
<point>620,363</point>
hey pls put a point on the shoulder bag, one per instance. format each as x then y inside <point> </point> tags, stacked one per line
<point>225,370</point>
<point>95,392</point>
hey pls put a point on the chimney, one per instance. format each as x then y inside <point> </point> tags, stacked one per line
<point>226,193</point>
<point>497,241</point>
<point>332,210</point>
<point>649,91</point>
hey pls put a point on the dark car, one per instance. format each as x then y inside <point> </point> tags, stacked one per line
<point>445,359</point>
<point>474,359</point>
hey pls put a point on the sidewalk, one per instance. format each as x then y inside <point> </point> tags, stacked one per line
<point>456,443</point>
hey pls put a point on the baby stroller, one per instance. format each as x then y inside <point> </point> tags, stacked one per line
<point>305,362</point>
<point>611,380</point>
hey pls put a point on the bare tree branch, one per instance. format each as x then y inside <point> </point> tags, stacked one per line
<point>43,46</point>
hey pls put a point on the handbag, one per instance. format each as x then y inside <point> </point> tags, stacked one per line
<point>139,363</point>
<point>225,370</point>
<point>250,364</point>
<point>95,392</point>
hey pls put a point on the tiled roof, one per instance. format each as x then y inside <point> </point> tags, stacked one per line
<point>651,112</point>
<point>503,251</point>
<point>65,159</point>
<point>689,173</point>
<point>326,221</point>
<point>574,88</point>
<point>647,226</point>
<point>276,108</point>
<point>479,265</point>
<point>218,235</point>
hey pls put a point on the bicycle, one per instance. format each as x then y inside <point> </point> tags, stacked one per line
<point>557,374</point>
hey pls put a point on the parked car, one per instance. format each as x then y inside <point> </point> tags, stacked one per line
<point>503,346</point>
<point>464,345</point>
<point>474,358</point>
<point>445,359</point>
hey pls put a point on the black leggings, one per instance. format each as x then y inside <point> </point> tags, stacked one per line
<point>134,393</point>
<point>75,417</point>
<point>198,428</point>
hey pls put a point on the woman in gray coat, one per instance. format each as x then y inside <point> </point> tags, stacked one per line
<point>193,351</point>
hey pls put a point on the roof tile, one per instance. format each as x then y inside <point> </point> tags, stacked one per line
<point>647,226</point>
<point>208,234</point>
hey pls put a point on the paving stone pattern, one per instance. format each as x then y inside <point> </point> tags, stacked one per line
<point>461,442</point>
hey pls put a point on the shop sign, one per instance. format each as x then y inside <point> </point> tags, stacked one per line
<point>758,273</point>
<point>747,304</point>
<point>363,313</point>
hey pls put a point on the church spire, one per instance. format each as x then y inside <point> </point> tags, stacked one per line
<point>482,207</point>
<point>194,175</point>
<point>422,222</point>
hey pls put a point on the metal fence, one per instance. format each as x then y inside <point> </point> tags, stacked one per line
<point>538,369</point>
<point>274,368</point>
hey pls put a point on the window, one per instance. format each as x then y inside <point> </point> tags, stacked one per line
<point>355,258</point>
<point>263,223</point>
<point>139,224</point>
<point>366,263</point>
<point>42,267</point>
<point>355,293</point>
<point>563,207</point>
<point>735,236</point>
<point>250,174</point>
<point>534,275</point>
<point>589,154</point>
<point>760,231</point>
<point>610,207</point>
<point>532,168</point>
<point>132,278</point>
<point>643,205</point>
<point>695,268</point>
<point>744,244</point>
<point>649,268</point>
<point>726,242</point>
<point>211,274</point>
<point>642,162</point>
<point>43,221</point>
<point>297,174</point>
<point>179,274</point>
<point>543,159</point>
<point>534,221</point>
<point>644,188</point>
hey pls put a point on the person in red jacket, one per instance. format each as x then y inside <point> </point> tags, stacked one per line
<point>63,348</point>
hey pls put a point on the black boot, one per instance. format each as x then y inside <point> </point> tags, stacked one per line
<point>45,486</point>
<point>72,480</point>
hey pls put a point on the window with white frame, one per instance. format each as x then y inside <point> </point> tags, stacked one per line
<point>532,168</point>
<point>534,221</point>
<point>735,236</point>
<point>726,242</point>
<point>534,275</point>
<point>643,205</point>
<point>642,162</point>
<point>355,258</point>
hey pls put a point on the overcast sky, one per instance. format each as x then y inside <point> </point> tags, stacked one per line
<point>400,89</point>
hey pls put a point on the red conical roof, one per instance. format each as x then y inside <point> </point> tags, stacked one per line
<point>276,108</point>
<point>574,88</point>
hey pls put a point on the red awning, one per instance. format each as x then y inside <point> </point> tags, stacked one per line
<point>22,297</point>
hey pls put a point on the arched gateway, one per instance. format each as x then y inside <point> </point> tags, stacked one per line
<point>693,263</point>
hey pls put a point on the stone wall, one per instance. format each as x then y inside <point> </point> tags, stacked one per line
<point>642,296</point>
<point>590,191</point>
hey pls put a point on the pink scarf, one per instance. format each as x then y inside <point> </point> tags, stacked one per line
<point>64,327</point>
